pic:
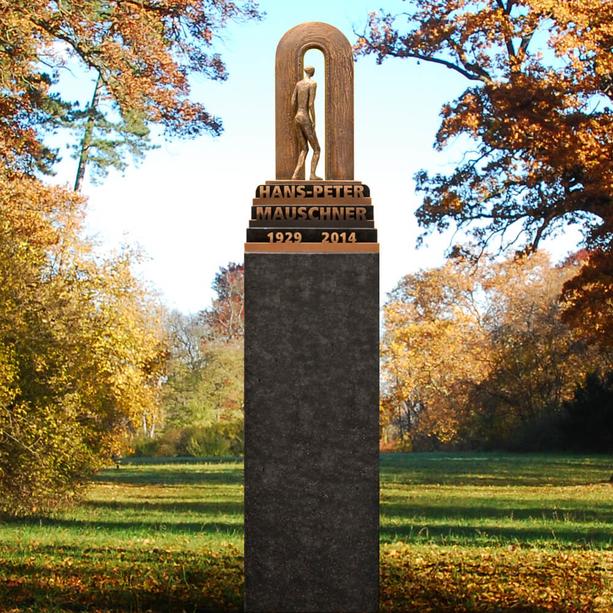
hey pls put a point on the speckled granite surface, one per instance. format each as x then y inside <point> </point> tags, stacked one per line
<point>311,432</point>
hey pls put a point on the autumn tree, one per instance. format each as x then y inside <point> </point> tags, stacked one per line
<point>225,318</point>
<point>186,335</point>
<point>537,361</point>
<point>141,55</point>
<point>476,354</point>
<point>434,352</point>
<point>588,298</point>
<point>536,114</point>
<point>82,351</point>
<point>204,382</point>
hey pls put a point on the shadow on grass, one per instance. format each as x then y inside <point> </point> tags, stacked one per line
<point>494,469</point>
<point>478,535</point>
<point>482,469</point>
<point>176,507</point>
<point>458,511</point>
<point>154,475</point>
<point>147,527</point>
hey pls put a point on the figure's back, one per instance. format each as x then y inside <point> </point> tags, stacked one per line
<point>303,94</point>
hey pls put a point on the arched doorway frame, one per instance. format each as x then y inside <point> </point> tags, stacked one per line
<point>289,65</point>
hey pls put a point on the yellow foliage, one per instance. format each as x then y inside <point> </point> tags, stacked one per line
<point>81,348</point>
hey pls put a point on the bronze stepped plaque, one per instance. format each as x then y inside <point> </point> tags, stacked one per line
<point>327,215</point>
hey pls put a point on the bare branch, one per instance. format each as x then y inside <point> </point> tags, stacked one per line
<point>468,65</point>
<point>26,447</point>
<point>447,63</point>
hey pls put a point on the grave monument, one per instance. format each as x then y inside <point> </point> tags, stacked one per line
<point>312,354</point>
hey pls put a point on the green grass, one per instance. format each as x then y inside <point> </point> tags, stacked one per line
<point>494,499</point>
<point>459,532</point>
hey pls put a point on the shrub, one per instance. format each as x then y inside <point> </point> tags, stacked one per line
<point>215,439</point>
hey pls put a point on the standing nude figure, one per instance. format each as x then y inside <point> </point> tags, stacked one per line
<point>303,100</point>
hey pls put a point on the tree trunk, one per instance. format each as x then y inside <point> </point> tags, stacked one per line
<point>87,135</point>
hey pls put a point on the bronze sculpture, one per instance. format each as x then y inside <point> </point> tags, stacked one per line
<point>338,59</point>
<point>303,101</point>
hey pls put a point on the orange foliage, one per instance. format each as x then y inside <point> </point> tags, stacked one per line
<point>143,51</point>
<point>588,299</point>
<point>538,113</point>
<point>81,349</point>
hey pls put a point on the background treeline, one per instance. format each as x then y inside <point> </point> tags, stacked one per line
<point>477,355</point>
<point>201,400</point>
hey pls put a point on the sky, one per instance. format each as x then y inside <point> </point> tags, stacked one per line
<point>187,205</point>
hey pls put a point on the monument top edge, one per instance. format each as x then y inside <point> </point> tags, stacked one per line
<point>322,182</point>
<point>313,24</point>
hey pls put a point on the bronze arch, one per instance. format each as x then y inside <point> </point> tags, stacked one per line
<point>339,97</point>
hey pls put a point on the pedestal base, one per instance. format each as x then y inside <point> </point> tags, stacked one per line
<point>311,432</point>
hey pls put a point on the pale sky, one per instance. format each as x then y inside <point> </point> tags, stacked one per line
<point>187,205</point>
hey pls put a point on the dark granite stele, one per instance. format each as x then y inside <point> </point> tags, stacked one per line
<point>311,432</point>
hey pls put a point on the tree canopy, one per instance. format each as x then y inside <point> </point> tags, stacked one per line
<point>141,54</point>
<point>536,116</point>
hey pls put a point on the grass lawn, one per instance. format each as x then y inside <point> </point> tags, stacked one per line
<point>459,532</point>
